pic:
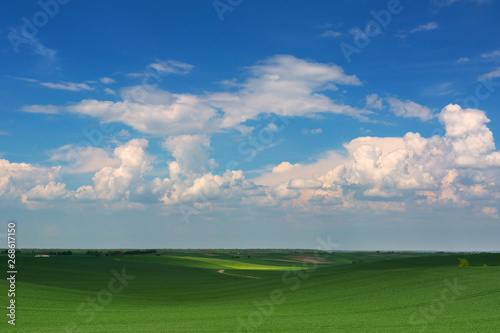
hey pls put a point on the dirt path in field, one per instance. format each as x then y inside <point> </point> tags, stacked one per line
<point>222,271</point>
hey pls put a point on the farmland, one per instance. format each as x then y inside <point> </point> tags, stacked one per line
<point>245,291</point>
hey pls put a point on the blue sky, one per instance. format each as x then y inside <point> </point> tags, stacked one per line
<point>251,124</point>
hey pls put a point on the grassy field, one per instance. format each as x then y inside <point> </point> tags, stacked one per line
<point>273,292</point>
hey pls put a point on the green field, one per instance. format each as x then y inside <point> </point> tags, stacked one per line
<point>270,292</point>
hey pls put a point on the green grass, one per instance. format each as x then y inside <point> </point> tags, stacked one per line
<point>386,293</point>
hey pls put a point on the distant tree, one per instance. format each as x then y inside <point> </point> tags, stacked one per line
<point>485,265</point>
<point>131,252</point>
<point>463,262</point>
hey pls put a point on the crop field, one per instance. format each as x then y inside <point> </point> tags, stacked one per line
<point>250,292</point>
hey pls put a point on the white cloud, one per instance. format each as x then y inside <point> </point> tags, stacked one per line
<point>26,79</point>
<point>107,80</point>
<point>490,75</point>
<point>425,27</point>
<point>447,170</point>
<point>71,86</point>
<point>283,192</point>
<point>109,91</point>
<point>114,183</point>
<point>50,191</point>
<point>77,159</point>
<point>472,141</point>
<point>171,66</point>
<point>286,86</point>
<point>313,131</point>
<point>331,34</point>
<point>462,60</point>
<point>409,109</point>
<point>18,178</point>
<point>49,109</point>
<point>286,171</point>
<point>166,114</point>
<point>123,133</point>
<point>283,85</point>
<point>191,153</point>
<point>284,166</point>
<point>392,173</point>
<point>491,211</point>
<point>492,54</point>
<point>301,184</point>
<point>373,101</point>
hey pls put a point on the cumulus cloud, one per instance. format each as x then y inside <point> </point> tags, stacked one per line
<point>113,182</point>
<point>400,171</point>
<point>283,192</point>
<point>409,109</point>
<point>376,173</point>
<point>18,178</point>
<point>471,140</point>
<point>301,184</point>
<point>284,166</point>
<point>388,173</point>
<point>50,191</point>
<point>191,153</point>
